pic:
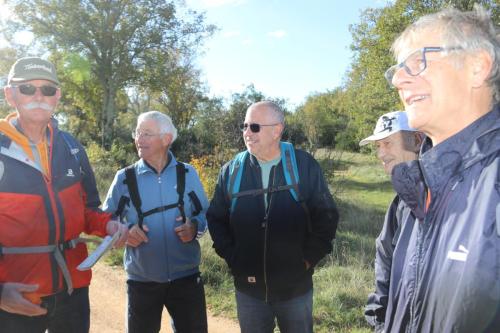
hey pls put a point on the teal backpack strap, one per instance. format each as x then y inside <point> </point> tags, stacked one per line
<point>290,168</point>
<point>291,172</point>
<point>235,174</point>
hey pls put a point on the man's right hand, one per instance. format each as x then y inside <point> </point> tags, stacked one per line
<point>136,236</point>
<point>12,299</point>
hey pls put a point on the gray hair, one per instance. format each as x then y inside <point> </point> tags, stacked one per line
<point>164,122</point>
<point>471,31</point>
<point>276,110</point>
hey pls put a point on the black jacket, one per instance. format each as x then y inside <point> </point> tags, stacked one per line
<point>376,306</point>
<point>266,254</point>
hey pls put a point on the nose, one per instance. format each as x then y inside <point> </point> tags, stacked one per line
<point>400,77</point>
<point>38,94</point>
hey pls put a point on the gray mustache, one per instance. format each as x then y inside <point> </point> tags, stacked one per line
<point>36,105</point>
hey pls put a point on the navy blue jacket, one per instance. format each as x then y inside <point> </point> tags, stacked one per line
<point>266,254</point>
<point>376,306</point>
<point>445,274</point>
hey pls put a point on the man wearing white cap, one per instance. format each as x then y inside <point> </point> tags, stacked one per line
<point>396,143</point>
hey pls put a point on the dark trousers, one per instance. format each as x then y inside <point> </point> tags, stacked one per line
<point>184,299</point>
<point>65,314</point>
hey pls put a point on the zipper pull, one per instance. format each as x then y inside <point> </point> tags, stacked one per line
<point>264,223</point>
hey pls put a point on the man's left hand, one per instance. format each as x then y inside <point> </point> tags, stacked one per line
<point>187,231</point>
<point>113,227</point>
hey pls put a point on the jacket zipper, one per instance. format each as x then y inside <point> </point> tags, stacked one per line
<point>265,225</point>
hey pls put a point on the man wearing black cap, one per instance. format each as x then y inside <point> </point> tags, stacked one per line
<point>48,196</point>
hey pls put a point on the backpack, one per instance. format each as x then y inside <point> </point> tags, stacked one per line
<point>131,182</point>
<point>290,170</point>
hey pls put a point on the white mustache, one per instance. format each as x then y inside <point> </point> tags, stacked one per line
<point>36,105</point>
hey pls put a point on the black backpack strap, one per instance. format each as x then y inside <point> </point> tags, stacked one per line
<point>196,202</point>
<point>131,181</point>
<point>181,186</point>
<point>121,206</point>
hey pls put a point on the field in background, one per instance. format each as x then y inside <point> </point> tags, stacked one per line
<point>343,280</point>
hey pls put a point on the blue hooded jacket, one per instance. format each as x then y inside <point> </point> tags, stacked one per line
<point>445,274</point>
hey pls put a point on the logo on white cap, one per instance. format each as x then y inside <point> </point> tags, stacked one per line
<point>388,124</point>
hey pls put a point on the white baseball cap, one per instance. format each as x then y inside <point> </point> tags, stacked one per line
<point>388,124</point>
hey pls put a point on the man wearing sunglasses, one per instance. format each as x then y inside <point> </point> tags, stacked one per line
<point>270,240</point>
<point>48,197</point>
<point>446,266</point>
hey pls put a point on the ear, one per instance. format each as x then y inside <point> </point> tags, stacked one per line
<point>9,96</point>
<point>58,94</point>
<point>167,139</point>
<point>418,139</point>
<point>279,130</point>
<point>481,64</point>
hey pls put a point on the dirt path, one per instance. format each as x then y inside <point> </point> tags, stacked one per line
<point>108,301</point>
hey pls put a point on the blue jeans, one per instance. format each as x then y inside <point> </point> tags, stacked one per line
<point>257,316</point>
<point>65,313</point>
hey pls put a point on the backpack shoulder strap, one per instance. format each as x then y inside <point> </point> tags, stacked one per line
<point>291,172</point>
<point>181,170</point>
<point>290,169</point>
<point>235,174</point>
<point>133,189</point>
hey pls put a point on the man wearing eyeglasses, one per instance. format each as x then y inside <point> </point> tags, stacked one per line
<point>270,240</point>
<point>48,197</point>
<point>446,267</point>
<point>163,255</point>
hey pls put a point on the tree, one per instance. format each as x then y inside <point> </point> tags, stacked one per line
<point>122,39</point>
<point>368,95</point>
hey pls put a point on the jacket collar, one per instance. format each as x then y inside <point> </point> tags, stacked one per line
<point>142,166</point>
<point>437,165</point>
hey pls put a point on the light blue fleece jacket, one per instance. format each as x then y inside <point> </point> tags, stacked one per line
<point>164,257</point>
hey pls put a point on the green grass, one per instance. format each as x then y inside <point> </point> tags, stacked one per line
<point>342,280</point>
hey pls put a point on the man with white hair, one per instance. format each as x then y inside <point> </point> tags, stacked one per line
<point>396,143</point>
<point>163,202</point>
<point>446,267</point>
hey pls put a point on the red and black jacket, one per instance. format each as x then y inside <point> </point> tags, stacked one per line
<point>38,210</point>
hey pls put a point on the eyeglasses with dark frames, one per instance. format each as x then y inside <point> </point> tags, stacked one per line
<point>30,90</point>
<point>416,62</point>
<point>255,128</point>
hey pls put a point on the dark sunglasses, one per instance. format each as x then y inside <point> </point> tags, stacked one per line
<point>30,90</point>
<point>255,128</point>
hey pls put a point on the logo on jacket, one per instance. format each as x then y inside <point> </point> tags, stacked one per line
<point>70,173</point>
<point>460,255</point>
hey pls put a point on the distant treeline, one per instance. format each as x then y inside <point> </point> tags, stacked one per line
<point>119,58</point>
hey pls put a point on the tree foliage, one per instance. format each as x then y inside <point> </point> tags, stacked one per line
<point>126,42</point>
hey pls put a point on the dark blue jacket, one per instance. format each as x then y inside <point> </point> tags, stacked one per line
<point>266,255</point>
<point>445,274</point>
<point>376,306</point>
